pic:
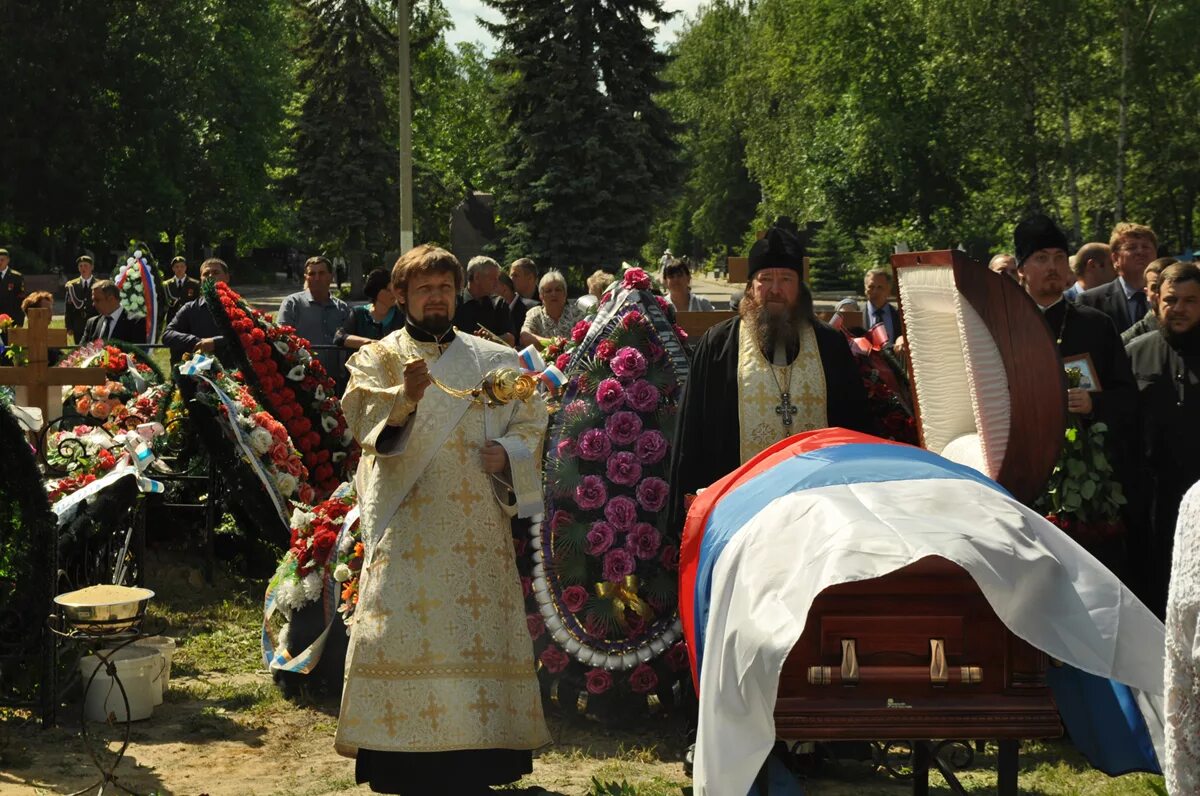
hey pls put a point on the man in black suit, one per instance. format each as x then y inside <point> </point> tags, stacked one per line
<point>1124,300</point>
<point>877,284</point>
<point>193,328</point>
<point>478,306</point>
<point>524,276</point>
<point>111,322</point>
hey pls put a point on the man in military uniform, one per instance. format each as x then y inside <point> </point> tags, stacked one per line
<point>178,290</point>
<point>12,290</point>
<point>79,298</point>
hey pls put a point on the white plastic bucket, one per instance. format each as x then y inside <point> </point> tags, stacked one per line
<point>165,647</point>
<point>137,668</point>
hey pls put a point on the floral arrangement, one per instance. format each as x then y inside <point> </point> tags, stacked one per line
<point>1083,496</point>
<point>139,289</point>
<point>307,566</point>
<point>265,437</point>
<point>602,588</point>
<point>129,370</point>
<point>885,402</point>
<point>290,383</point>
<point>348,570</point>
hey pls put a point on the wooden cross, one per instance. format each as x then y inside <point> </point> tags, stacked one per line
<point>37,378</point>
<point>785,409</point>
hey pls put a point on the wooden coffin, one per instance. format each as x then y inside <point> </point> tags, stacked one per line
<point>919,653</point>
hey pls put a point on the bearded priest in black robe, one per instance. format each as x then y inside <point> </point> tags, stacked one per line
<point>773,371</point>
<point>1042,262</point>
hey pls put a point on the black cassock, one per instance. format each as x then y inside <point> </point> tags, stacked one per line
<point>1089,331</point>
<point>1168,379</point>
<point>708,434</point>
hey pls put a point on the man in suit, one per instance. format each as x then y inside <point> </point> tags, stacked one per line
<point>79,299</point>
<point>12,290</point>
<point>1093,267</point>
<point>193,328</point>
<point>524,276</point>
<point>1124,299</point>
<point>111,322</point>
<point>878,286</point>
<point>478,307</point>
<point>179,290</point>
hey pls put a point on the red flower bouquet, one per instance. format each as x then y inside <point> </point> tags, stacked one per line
<point>290,383</point>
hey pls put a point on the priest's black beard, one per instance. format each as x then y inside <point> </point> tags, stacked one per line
<point>436,326</point>
<point>1184,342</point>
<point>771,328</point>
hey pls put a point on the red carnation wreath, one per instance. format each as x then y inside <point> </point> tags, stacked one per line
<point>291,383</point>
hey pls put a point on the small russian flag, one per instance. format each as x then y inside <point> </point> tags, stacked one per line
<point>531,359</point>
<point>553,378</point>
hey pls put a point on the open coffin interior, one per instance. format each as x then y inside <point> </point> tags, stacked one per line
<point>958,373</point>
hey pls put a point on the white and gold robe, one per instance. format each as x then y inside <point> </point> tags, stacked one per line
<point>440,657</point>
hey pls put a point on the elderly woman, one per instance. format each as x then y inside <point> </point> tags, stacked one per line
<point>555,317</point>
<point>372,321</point>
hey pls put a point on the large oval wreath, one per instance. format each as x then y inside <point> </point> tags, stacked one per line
<point>603,591</point>
<point>290,382</point>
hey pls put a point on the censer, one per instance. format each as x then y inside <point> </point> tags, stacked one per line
<point>498,387</point>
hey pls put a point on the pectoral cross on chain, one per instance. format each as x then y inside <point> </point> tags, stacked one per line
<point>785,410</point>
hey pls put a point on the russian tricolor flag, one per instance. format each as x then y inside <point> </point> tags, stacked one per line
<point>835,506</point>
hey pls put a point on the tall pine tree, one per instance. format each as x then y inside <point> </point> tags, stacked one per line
<point>589,152</point>
<point>344,160</point>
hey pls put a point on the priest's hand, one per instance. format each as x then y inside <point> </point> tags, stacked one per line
<point>416,379</point>
<point>1079,401</point>
<point>494,457</point>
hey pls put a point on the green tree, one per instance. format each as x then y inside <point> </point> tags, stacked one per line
<point>344,163</point>
<point>832,255</point>
<point>588,152</point>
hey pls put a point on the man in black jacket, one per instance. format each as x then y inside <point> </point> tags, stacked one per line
<point>111,322</point>
<point>1124,299</point>
<point>1166,364</point>
<point>193,328</point>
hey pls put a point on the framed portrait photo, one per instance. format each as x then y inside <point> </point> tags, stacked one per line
<point>1082,364</point>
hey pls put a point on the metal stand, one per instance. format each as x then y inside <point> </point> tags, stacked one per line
<point>101,645</point>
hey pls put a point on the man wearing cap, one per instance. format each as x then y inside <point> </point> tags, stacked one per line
<point>12,290</point>
<point>1041,251</point>
<point>771,372</point>
<point>178,290</point>
<point>80,308</point>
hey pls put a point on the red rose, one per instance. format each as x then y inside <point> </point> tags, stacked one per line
<point>535,624</point>
<point>323,544</point>
<point>562,362</point>
<point>580,330</point>
<point>313,438</point>
<point>310,459</point>
<point>554,659</point>
<point>677,657</point>
<point>643,680</point>
<point>322,456</point>
<point>279,453</point>
<point>288,394</point>
<point>574,598</point>
<point>294,467</point>
<point>598,681</point>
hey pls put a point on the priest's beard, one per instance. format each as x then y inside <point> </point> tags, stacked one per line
<point>773,324</point>
<point>1184,342</point>
<point>436,323</point>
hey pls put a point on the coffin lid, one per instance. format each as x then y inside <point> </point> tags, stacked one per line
<point>988,385</point>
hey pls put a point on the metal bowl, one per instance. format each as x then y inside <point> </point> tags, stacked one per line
<point>104,609</point>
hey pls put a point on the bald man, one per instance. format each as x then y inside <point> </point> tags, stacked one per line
<point>1092,267</point>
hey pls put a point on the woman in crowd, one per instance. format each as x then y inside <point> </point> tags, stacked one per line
<point>677,278</point>
<point>372,321</point>
<point>555,317</point>
<point>42,300</point>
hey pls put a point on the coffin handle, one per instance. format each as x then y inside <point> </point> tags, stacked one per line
<point>849,662</point>
<point>939,673</point>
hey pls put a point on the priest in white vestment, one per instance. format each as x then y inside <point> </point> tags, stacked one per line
<point>441,695</point>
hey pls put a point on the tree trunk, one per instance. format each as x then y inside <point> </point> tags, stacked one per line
<point>1123,114</point>
<point>1072,176</point>
<point>1029,123</point>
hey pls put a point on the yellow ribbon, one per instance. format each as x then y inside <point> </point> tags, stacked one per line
<point>624,596</point>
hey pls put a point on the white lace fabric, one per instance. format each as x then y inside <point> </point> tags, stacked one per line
<point>1182,766</point>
